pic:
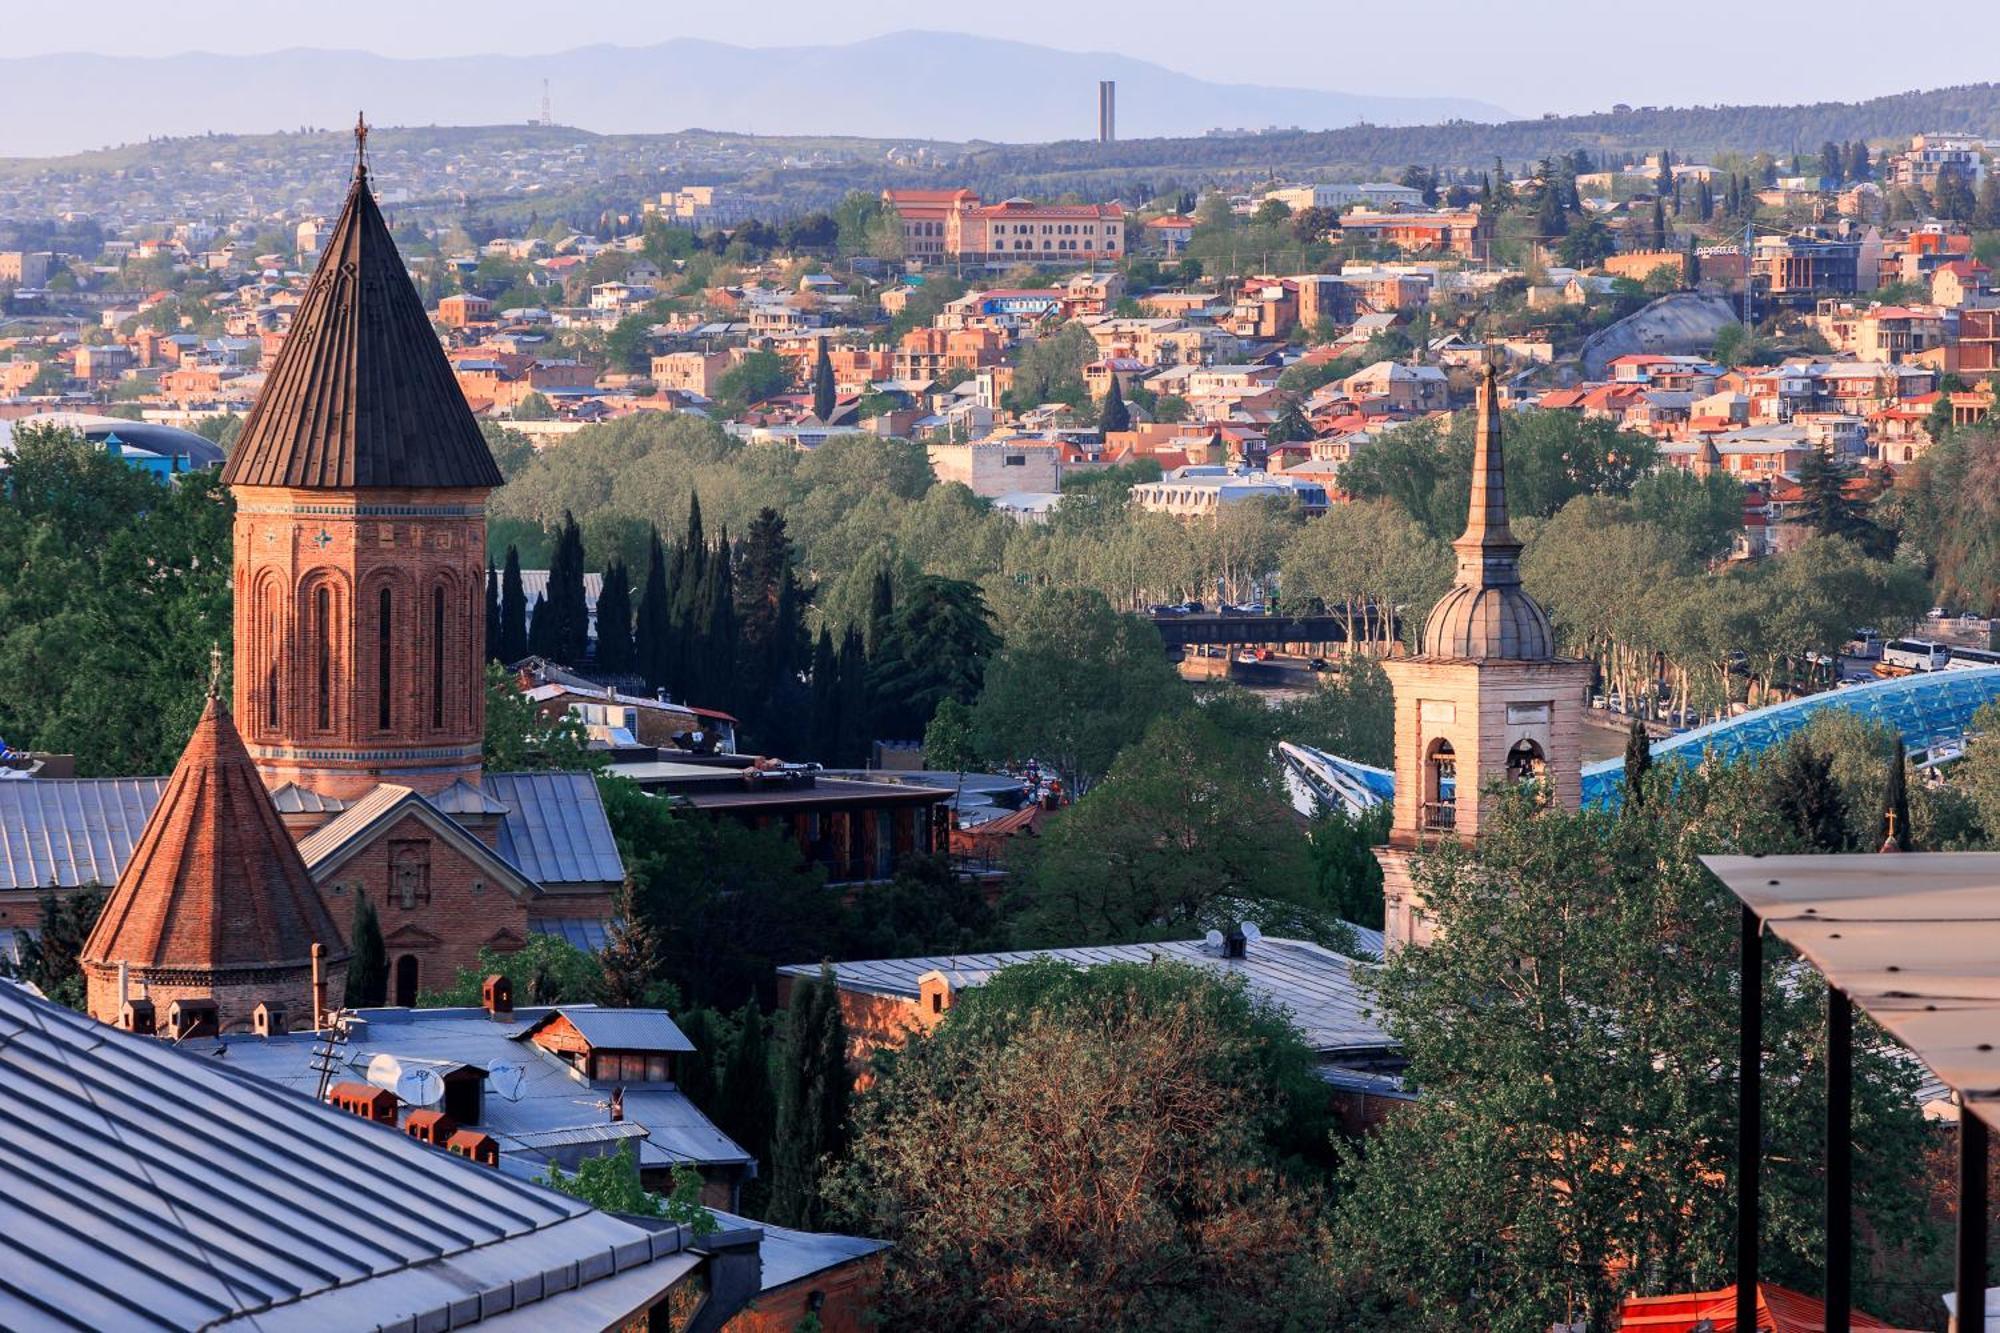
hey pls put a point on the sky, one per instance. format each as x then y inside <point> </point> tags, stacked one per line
<point>1530,56</point>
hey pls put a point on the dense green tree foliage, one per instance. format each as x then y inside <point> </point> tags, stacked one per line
<point>814,1081</point>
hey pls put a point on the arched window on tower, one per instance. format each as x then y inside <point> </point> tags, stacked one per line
<point>1440,803</point>
<point>437,658</point>
<point>271,653</point>
<point>1526,764</point>
<point>385,659</point>
<point>323,657</point>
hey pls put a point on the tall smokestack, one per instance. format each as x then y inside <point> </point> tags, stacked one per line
<point>1107,111</point>
<point>318,982</point>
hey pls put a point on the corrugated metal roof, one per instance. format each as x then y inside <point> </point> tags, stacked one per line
<point>549,1098</point>
<point>67,832</point>
<point>585,933</point>
<point>1321,990</point>
<point>622,1029</point>
<point>151,1188</point>
<point>557,831</point>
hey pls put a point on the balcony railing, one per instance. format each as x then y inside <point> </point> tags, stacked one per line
<point>1439,816</point>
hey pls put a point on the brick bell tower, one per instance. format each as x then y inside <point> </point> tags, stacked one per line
<point>1484,700</point>
<point>360,546</point>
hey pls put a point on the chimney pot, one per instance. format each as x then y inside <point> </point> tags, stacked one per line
<point>192,1018</point>
<point>268,1020</point>
<point>496,996</point>
<point>432,1127</point>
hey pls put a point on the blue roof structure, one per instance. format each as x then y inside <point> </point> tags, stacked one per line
<point>1930,710</point>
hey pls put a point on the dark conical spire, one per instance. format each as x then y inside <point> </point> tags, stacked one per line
<point>361,395</point>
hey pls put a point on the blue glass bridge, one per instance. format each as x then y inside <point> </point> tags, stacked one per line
<point>1930,710</point>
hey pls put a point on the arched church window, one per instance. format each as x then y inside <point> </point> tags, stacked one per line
<point>437,658</point>
<point>1440,803</point>
<point>1525,763</point>
<point>385,659</point>
<point>323,657</point>
<point>271,653</point>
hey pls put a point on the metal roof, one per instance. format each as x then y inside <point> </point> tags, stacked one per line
<point>68,832</point>
<point>72,831</point>
<point>621,1029</point>
<point>1321,990</point>
<point>152,1188</point>
<point>557,831</point>
<point>551,1098</point>
<point>586,933</point>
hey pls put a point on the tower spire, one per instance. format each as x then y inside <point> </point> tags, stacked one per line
<point>1488,550</point>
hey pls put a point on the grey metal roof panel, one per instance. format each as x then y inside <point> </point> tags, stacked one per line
<point>1324,992</point>
<point>151,1187</point>
<point>623,1029</point>
<point>64,832</point>
<point>556,830</point>
<point>585,933</point>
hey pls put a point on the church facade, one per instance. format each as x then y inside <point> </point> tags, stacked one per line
<point>360,482</point>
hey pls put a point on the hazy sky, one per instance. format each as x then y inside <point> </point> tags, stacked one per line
<point>1529,56</point>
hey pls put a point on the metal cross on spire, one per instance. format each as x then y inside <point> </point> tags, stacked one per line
<point>360,144</point>
<point>215,670</point>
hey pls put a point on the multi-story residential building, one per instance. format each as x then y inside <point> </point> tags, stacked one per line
<point>1977,352</point>
<point>1931,155</point>
<point>463,308</point>
<point>103,361</point>
<point>1797,269</point>
<point>928,354</point>
<point>1405,388</point>
<point>698,206</point>
<point>26,268</point>
<point>924,215</point>
<point>1879,333</point>
<point>992,467</point>
<point>1376,194</point>
<point>691,372</point>
<point>1020,231</point>
<point>1264,308</point>
<point>1457,233</point>
<point>1200,490</point>
<point>1169,235</point>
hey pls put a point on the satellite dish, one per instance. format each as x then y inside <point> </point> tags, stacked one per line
<point>506,1078</point>
<point>1251,933</point>
<point>420,1087</point>
<point>1213,940</point>
<point>384,1070</point>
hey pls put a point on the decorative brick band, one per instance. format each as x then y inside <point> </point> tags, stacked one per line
<point>367,511</point>
<point>449,752</point>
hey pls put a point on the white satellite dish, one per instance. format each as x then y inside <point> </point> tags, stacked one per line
<point>1251,933</point>
<point>384,1070</point>
<point>506,1078</point>
<point>1213,940</point>
<point>420,1087</point>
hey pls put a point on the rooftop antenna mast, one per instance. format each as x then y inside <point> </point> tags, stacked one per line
<point>548,116</point>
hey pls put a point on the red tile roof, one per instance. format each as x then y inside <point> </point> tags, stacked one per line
<point>1779,1310</point>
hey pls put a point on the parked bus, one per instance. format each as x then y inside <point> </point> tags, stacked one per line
<point>1916,654</point>
<point>1974,657</point>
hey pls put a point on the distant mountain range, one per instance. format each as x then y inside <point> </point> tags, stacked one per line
<point>910,85</point>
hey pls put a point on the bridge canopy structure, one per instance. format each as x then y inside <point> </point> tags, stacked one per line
<point>1930,710</point>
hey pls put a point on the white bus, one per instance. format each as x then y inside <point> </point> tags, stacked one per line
<point>1974,657</point>
<point>1916,654</point>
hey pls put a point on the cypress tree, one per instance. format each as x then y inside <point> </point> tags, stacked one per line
<point>1659,224</point>
<point>655,617</point>
<point>540,625</point>
<point>513,611</point>
<point>697,1072</point>
<point>614,621</point>
<point>743,1108</point>
<point>881,607</point>
<point>856,723</point>
<point>711,650</point>
<point>1115,416</point>
<point>1896,803</point>
<point>367,959</point>
<point>1807,798</point>
<point>570,633</point>
<point>825,742</point>
<point>492,612</point>
<point>813,1089</point>
<point>824,395</point>
<point>1638,762</point>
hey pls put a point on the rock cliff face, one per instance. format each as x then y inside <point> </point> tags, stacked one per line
<point>1679,325</point>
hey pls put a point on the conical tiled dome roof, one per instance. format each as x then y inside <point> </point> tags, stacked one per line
<point>216,882</point>
<point>1487,615</point>
<point>361,395</point>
